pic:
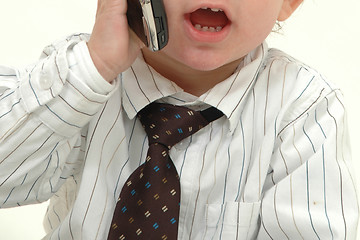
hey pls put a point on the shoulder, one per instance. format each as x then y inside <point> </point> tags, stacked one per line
<point>295,76</point>
<point>301,88</point>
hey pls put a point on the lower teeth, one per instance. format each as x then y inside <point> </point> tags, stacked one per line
<point>208,29</point>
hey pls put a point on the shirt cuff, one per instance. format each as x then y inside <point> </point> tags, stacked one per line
<point>80,56</point>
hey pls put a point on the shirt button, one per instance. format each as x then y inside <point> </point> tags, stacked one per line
<point>45,81</point>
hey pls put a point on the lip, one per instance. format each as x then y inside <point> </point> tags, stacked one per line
<point>207,37</point>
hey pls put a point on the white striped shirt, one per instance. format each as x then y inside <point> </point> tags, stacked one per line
<point>275,166</point>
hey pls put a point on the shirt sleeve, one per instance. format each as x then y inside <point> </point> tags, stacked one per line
<point>311,191</point>
<point>44,110</point>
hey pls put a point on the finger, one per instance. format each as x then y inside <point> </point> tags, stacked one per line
<point>98,7</point>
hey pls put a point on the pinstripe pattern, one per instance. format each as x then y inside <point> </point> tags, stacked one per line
<point>275,167</point>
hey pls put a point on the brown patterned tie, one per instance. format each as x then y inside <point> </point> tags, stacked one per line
<point>149,203</point>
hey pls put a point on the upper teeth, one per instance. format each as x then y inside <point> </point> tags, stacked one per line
<point>213,9</point>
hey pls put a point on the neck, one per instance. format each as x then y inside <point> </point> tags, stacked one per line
<point>191,80</point>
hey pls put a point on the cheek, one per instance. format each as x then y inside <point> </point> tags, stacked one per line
<point>257,32</point>
<point>258,18</point>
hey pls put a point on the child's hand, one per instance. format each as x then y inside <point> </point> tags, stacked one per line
<point>112,46</point>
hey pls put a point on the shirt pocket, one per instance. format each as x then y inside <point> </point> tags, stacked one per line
<point>232,220</point>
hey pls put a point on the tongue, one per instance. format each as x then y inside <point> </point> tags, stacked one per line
<point>206,17</point>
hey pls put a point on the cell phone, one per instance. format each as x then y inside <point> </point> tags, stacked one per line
<point>147,18</point>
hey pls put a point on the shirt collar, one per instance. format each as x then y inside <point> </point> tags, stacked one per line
<point>142,85</point>
<point>230,95</point>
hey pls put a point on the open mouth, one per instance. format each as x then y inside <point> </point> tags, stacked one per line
<point>209,19</point>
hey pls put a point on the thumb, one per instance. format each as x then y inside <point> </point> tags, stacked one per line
<point>136,39</point>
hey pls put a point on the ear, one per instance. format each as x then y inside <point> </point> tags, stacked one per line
<point>288,7</point>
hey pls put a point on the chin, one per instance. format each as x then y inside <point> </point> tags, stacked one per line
<point>202,60</point>
<point>205,67</point>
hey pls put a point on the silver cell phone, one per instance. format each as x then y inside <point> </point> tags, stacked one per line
<point>147,18</point>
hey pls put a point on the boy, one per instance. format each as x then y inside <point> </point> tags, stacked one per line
<point>275,166</point>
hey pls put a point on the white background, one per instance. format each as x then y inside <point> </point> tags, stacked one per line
<point>325,34</point>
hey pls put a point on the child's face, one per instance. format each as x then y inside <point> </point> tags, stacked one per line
<point>240,28</point>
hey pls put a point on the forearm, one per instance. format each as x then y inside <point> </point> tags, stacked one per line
<point>44,108</point>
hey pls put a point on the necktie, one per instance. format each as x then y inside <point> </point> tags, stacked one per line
<point>149,203</point>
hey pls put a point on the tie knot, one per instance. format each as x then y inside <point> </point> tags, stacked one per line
<point>168,124</point>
